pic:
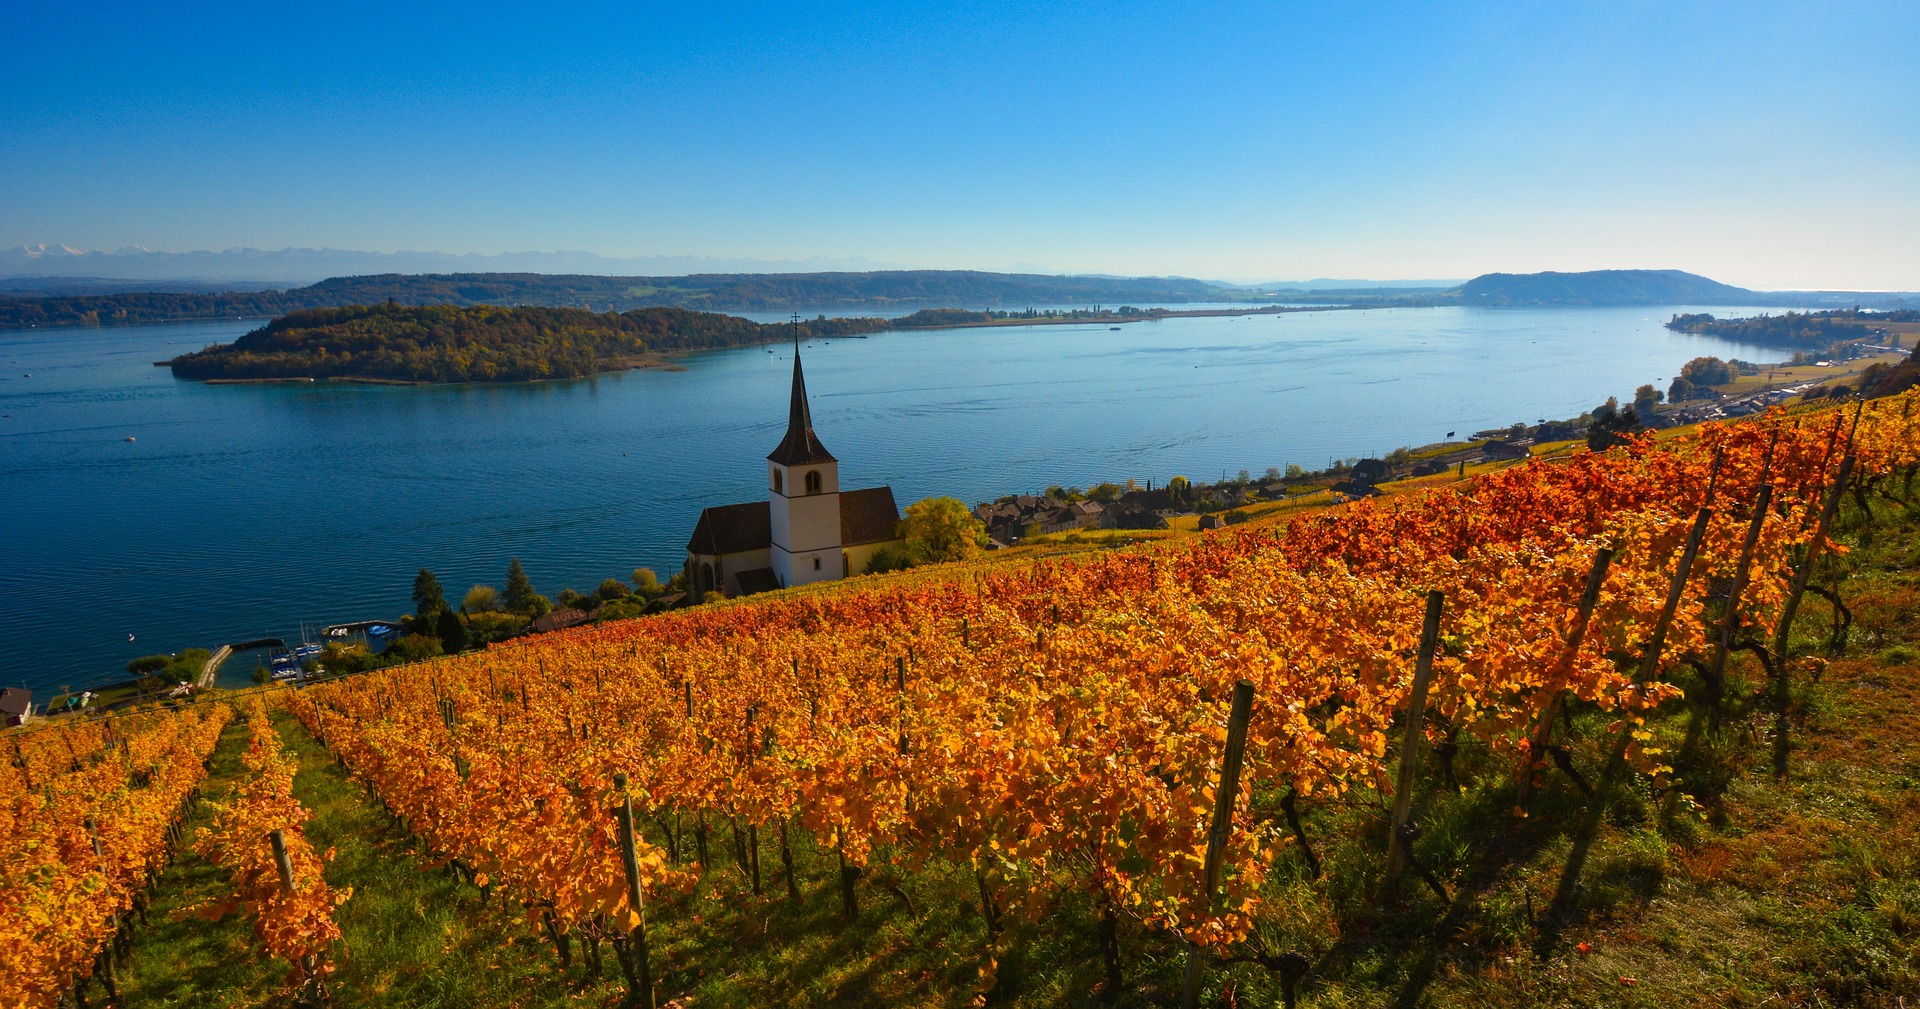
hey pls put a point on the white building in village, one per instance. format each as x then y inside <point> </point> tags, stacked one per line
<point>808,529</point>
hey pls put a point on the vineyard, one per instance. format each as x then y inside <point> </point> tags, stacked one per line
<point>1229,767</point>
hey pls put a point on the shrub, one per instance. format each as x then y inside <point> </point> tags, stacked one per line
<point>887,559</point>
<point>482,599</point>
<point>414,647</point>
<point>148,664</point>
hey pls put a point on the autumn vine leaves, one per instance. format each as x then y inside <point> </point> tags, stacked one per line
<point>275,874</point>
<point>89,814</point>
<point>1059,728</point>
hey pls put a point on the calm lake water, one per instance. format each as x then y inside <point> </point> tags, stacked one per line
<point>241,511</point>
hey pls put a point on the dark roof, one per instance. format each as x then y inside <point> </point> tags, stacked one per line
<point>1152,500</point>
<point>15,700</point>
<point>800,446</point>
<point>868,516</point>
<point>559,619</point>
<point>732,529</point>
<point>756,580</point>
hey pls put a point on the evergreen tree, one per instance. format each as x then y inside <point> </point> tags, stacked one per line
<point>519,594</point>
<point>428,599</point>
<point>451,632</point>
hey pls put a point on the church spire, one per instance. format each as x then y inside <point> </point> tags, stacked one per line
<point>801,446</point>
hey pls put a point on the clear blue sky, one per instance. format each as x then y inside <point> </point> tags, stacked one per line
<point>1765,144</point>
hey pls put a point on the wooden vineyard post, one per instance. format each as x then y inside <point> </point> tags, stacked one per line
<point>107,956</point>
<point>1650,663</point>
<point>753,829</point>
<point>642,989</point>
<point>278,839</point>
<point>1782,634</point>
<point>1399,841</point>
<point>1543,734</point>
<point>1717,668</point>
<point>1219,828</point>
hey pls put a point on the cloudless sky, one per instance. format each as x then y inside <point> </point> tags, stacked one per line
<point>1763,144</point>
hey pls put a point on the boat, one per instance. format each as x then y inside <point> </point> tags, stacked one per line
<point>1114,328</point>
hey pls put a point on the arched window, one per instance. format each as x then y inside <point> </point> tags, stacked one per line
<point>813,481</point>
<point>777,489</point>
<point>706,577</point>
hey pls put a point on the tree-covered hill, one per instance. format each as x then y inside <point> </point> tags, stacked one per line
<point>1601,287</point>
<point>479,343</point>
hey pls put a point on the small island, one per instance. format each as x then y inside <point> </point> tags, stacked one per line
<point>393,343</point>
<point>479,343</point>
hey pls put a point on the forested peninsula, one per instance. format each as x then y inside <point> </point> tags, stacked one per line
<point>479,343</point>
<point>1792,329</point>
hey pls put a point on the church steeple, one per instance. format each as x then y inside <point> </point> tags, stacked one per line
<point>801,446</point>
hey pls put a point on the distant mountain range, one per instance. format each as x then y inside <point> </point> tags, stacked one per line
<point>291,267</point>
<point>97,302</point>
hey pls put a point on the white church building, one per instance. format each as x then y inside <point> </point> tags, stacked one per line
<point>807,530</point>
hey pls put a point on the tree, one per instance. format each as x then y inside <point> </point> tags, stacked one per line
<point>942,529</point>
<point>1614,427</point>
<point>1708,371</point>
<point>1179,490</point>
<point>646,584</point>
<point>1295,471</point>
<point>481,599</point>
<point>1645,397</point>
<point>452,633</point>
<point>1680,389</point>
<point>429,601</point>
<point>611,589</point>
<point>520,594</point>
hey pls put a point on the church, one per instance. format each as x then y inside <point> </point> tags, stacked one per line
<point>807,530</point>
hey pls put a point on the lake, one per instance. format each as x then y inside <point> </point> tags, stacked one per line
<point>144,514</point>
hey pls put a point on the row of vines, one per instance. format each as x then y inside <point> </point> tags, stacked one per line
<point>1063,728</point>
<point>90,814</point>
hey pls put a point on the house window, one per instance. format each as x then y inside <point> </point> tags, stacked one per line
<point>777,482</point>
<point>813,481</point>
<point>816,563</point>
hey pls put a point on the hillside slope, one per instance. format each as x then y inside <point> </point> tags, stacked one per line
<point>1602,287</point>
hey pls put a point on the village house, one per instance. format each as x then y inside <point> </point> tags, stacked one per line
<point>1518,448</point>
<point>16,706</point>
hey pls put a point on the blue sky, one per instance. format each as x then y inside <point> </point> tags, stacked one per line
<point>1764,144</point>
